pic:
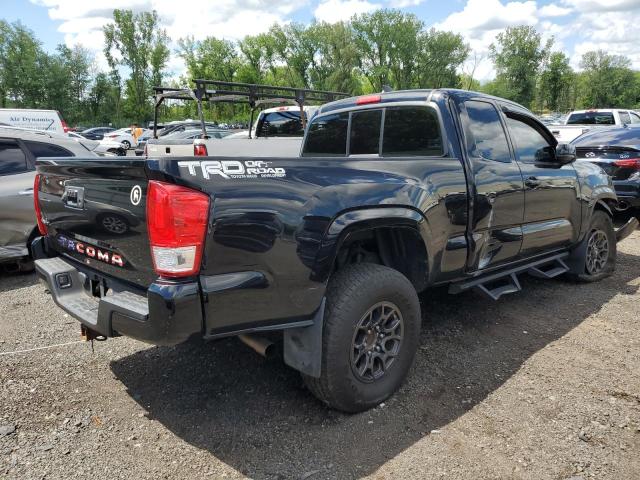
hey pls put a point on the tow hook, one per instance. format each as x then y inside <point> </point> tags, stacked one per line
<point>86,334</point>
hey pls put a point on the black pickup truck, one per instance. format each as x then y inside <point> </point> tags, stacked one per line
<point>391,194</point>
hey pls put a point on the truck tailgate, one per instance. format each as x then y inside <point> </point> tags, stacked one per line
<point>95,213</point>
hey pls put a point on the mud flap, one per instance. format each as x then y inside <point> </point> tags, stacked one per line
<point>627,229</point>
<point>303,346</point>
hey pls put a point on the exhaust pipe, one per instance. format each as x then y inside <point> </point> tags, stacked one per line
<point>622,206</point>
<point>261,345</point>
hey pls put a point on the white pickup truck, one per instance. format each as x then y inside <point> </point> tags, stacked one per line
<point>581,121</point>
<point>278,122</point>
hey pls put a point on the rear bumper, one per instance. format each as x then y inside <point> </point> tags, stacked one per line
<point>168,314</point>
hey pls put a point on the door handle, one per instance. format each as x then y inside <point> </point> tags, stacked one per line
<point>532,182</point>
<point>26,191</point>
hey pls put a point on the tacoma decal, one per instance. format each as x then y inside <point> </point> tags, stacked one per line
<point>90,251</point>
<point>233,169</point>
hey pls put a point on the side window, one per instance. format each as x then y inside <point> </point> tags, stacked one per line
<point>528,142</point>
<point>39,149</point>
<point>625,118</point>
<point>485,135</point>
<point>327,136</point>
<point>411,131</point>
<point>635,118</point>
<point>12,158</point>
<point>365,132</point>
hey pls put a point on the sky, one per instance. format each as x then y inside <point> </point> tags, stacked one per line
<point>577,26</point>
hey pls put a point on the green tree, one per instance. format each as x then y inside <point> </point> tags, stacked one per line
<point>336,65</point>
<point>518,55</point>
<point>557,83</point>
<point>23,66</point>
<point>210,58</point>
<point>258,54</point>
<point>388,44</point>
<point>104,99</point>
<point>440,57</point>
<point>296,47</point>
<point>137,42</point>
<point>607,81</point>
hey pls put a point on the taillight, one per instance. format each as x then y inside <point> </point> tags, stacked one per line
<point>200,150</point>
<point>628,163</point>
<point>145,153</point>
<point>177,224</point>
<point>368,99</point>
<point>42,227</point>
<point>65,127</point>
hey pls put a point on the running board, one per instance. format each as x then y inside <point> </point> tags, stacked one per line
<point>495,285</point>
<point>549,270</point>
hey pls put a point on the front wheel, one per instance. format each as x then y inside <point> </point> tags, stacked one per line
<point>370,336</point>
<point>127,144</point>
<point>595,257</point>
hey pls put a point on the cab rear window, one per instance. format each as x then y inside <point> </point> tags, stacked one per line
<point>591,118</point>
<point>406,131</point>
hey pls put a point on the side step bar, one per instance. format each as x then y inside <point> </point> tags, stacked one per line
<point>495,285</point>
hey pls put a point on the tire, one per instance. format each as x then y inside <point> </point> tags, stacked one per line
<point>126,143</point>
<point>600,236</point>
<point>351,294</point>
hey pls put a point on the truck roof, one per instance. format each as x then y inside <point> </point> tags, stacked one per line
<point>411,95</point>
<point>599,110</point>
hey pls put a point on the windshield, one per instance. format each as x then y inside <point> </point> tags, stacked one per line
<point>591,118</point>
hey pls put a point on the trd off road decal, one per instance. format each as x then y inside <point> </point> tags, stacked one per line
<point>233,169</point>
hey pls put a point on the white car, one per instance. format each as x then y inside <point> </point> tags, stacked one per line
<point>101,147</point>
<point>122,136</point>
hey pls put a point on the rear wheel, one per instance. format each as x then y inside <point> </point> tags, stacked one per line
<point>127,144</point>
<point>370,336</point>
<point>596,255</point>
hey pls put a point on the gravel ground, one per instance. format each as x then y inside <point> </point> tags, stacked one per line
<point>542,384</point>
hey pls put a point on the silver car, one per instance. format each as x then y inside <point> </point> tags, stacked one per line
<point>19,149</point>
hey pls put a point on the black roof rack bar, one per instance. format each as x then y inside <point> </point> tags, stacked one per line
<point>236,92</point>
<point>200,81</point>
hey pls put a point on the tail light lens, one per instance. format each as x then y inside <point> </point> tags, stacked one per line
<point>200,150</point>
<point>65,127</point>
<point>42,227</point>
<point>633,163</point>
<point>177,224</point>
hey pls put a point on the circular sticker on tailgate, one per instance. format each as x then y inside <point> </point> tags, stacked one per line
<point>136,195</point>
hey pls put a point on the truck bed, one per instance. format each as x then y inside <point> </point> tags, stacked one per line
<point>226,147</point>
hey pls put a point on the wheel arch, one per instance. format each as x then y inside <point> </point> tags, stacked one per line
<point>604,205</point>
<point>392,234</point>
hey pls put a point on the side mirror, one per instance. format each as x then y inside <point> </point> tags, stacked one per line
<point>565,153</point>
